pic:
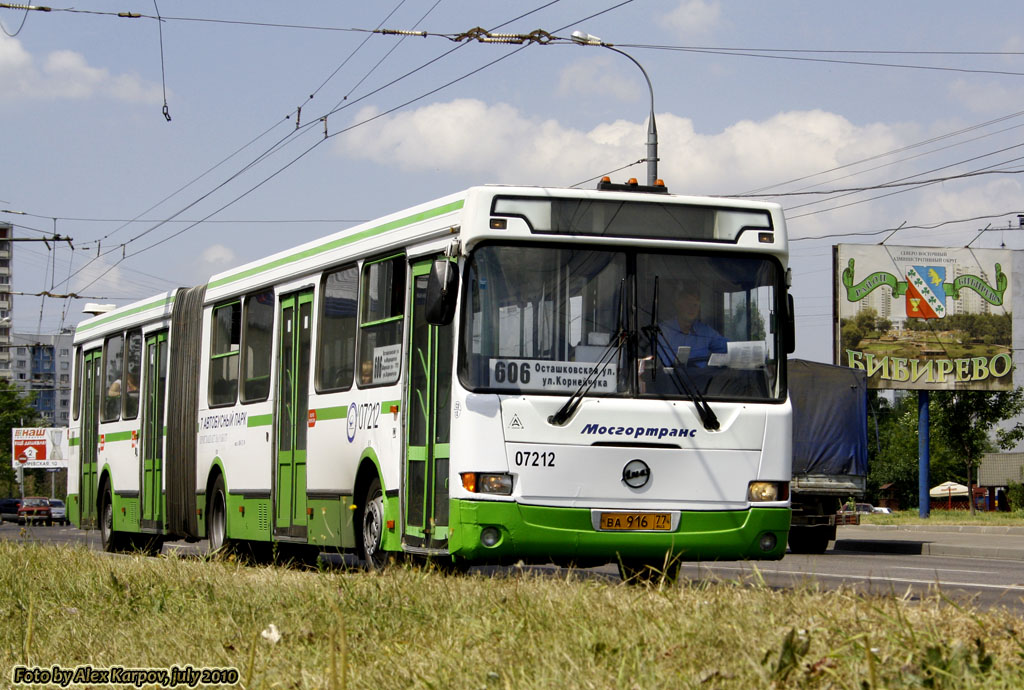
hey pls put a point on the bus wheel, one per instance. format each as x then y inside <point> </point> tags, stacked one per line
<point>112,542</point>
<point>217,517</point>
<point>372,527</point>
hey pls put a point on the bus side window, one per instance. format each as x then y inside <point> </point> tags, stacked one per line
<point>132,375</point>
<point>224,352</point>
<point>380,325</point>
<point>77,376</point>
<point>257,343</point>
<point>113,359</point>
<point>336,353</point>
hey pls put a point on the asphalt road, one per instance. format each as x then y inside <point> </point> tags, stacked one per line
<point>983,568</point>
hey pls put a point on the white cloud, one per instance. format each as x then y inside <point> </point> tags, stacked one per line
<point>600,75</point>
<point>65,74</point>
<point>692,18</point>
<point>989,97</point>
<point>217,257</point>
<point>502,144</point>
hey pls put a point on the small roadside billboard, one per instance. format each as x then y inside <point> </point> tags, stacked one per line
<point>39,447</point>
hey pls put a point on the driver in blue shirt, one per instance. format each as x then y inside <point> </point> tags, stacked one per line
<point>687,329</point>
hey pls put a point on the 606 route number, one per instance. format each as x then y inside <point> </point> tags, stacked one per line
<point>533,458</point>
<point>511,372</point>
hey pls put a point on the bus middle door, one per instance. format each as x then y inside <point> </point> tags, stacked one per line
<point>429,423</point>
<point>296,324</point>
<point>154,396</point>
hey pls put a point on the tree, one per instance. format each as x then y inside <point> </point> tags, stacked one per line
<point>962,420</point>
<point>893,451</point>
<point>15,411</point>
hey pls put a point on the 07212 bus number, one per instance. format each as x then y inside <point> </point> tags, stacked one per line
<point>533,458</point>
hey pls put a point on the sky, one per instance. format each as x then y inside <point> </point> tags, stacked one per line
<point>171,150</point>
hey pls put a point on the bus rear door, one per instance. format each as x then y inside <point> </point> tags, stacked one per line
<point>90,383</point>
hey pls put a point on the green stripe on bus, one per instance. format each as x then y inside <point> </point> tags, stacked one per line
<point>166,302</point>
<point>340,242</point>
<point>339,412</point>
<point>260,420</point>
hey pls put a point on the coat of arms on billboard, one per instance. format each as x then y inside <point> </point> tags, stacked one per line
<point>925,317</point>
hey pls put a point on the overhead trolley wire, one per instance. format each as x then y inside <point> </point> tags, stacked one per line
<point>833,61</point>
<point>315,145</point>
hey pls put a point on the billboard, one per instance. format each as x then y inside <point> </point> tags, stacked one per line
<point>36,447</point>
<point>925,318</point>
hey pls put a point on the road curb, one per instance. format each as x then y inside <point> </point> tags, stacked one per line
<point>962,529</point>
<point>924,548</point>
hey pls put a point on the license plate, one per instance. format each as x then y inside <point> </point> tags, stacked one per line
<point>657,522</point>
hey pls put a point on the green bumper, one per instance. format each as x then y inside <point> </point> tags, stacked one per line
<point>534,533</point>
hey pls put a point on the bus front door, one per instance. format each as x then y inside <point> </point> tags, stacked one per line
<point>296,326</point>
<point>90,437</point>
<point>428,423</point>
<point>155,396</point>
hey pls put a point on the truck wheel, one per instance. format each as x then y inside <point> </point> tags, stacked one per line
<point>809,539</point>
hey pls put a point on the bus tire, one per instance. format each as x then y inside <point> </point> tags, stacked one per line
<point>371,527</point>
<point>112,542</point>
<point>217,518</point>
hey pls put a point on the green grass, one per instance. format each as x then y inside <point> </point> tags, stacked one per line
<point>414,627</point>
<point>940,516</point>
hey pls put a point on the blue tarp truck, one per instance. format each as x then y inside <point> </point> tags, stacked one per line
<point>830,449</point>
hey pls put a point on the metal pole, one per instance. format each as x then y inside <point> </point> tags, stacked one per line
<point>923,458</point>
<point>652,127</point>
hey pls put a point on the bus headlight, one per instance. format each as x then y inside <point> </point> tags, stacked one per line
<point>760,492</point>
<point>496,483</point>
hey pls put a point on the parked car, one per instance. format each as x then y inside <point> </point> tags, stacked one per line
<point>9,509</point>
<point>859,508</point>
<point>34,509</point>
<point>58,511</point>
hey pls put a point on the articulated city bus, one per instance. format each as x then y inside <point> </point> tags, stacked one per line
<point>504,374</point>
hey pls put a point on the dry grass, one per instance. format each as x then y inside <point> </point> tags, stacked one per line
<point>414,627</point>
<point>939,516</point>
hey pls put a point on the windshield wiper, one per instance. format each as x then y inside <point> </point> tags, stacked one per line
<point>682,380</point>
<point>614,348</point>
<point>653,331</point>
<point>680,377</point>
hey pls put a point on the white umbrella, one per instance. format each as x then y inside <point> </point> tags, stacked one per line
<point>947,489</point>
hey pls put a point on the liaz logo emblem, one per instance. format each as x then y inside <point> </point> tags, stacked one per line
<point>636,474</point>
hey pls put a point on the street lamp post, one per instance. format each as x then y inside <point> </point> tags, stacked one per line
<point>585,39</point>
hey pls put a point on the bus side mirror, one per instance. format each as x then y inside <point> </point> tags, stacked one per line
<point>442,292</point>
<point>790,329</point>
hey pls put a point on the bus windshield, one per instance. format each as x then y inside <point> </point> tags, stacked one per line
<point>546,319</point>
